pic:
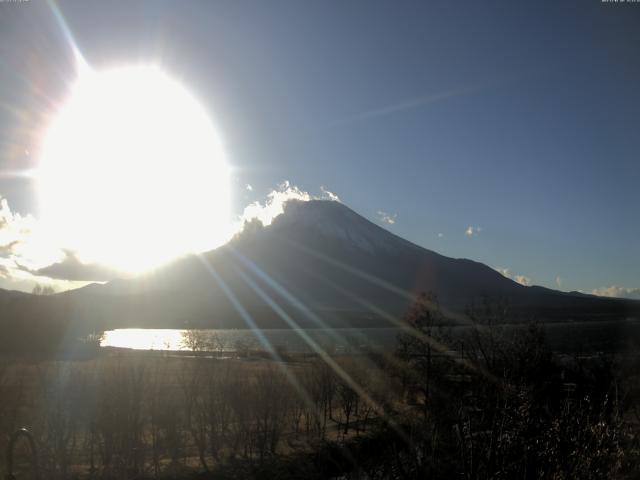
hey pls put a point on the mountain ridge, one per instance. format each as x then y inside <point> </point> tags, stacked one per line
<point>317,264</point>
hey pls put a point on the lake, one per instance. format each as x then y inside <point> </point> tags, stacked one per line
<point>604,335</point>
<point>225,340</point>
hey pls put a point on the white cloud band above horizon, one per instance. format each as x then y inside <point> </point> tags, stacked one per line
<point>615,291</point>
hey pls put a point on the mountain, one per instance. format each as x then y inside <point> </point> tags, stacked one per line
<point>317,264</point>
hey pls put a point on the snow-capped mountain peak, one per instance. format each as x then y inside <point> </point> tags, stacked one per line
<point>333,220</point>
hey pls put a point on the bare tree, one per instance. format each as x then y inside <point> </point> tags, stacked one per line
<point>193,378</point>
<point>270,406</point>
<point>195,340</point>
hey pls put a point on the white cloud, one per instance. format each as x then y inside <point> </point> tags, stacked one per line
<point>440,235</point>
<point>521,279</point>
<point>408,104</point>
<point>472,231</point>
<point>558,281</point>
<point>249,187</point>
<point>273,205</point>
<point>23,241</point>
<point>14,228</point>
<point>18,279</point>
<point>24,248</point>
<point>327,195</point>
<point>504,271</point>
<point>388,218</point>
<point>6,267</point>
<point>618,292</point>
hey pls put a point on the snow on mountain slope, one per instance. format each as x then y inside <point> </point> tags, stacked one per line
<point>332,219</point>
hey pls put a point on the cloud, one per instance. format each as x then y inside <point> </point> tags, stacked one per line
<point>249,187</point>
<point>23,241</point>
<point>327,195</point>
<point>71,268</point>
<point>273,206</point>
<point>388,218</point>
<point>504,271</point>
<point>558,281</point>
<point>25,250</point>
<point>440,235</point>
<point>412,103</point>
<point>472,231</point>
<point>521,279</point>
<point>14,228</point>
<point>618,292</point>
<point>16,277</point>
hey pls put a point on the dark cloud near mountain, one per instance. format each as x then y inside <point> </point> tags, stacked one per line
<point>71,268</point>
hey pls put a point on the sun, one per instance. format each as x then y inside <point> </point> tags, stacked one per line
<point>132,171</point>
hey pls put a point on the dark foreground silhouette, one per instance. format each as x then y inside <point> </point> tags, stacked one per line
<point>490,405</point>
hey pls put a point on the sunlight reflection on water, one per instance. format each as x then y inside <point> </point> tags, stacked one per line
<point>232,340</point>
<point>603,335</point>
<point>145,339</point>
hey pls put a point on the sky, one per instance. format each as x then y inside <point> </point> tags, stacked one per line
<point>504,132</point>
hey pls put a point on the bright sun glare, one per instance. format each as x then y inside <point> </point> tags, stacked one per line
<point>132,172</point>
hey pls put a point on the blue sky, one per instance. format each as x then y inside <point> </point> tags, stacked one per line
<point>521,118</point>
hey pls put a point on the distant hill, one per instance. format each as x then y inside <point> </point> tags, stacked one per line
<point>317,264</point>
